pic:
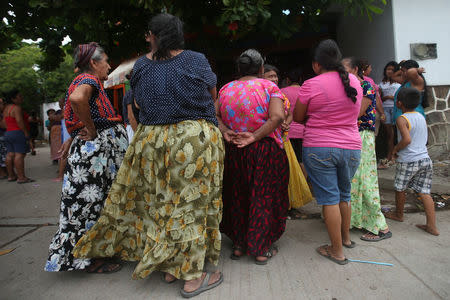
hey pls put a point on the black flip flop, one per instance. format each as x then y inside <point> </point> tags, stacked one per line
<point>295,214</point>
<point>328,255</point>
<point>12,180</point>
<point>234,256</point>
<point>269,254</point>
<point>352,245</point>
<point>26,181</point>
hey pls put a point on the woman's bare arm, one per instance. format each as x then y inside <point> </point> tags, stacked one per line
<point>79,100</point>
<point>131,118</point>
<point>364,105</point>
<point>226,132</point>
<point>416,80</point>
<point>18,115</point>
<point>276,117</point>
<point>398,77</point>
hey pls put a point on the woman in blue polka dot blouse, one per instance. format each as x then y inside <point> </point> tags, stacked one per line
<point>165,206</point>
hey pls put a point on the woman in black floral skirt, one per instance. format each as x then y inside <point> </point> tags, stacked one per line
<point>97,146</point>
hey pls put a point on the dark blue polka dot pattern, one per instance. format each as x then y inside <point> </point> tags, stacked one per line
<point>174,90</point>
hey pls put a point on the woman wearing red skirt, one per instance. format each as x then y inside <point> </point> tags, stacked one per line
<point>256,170</point>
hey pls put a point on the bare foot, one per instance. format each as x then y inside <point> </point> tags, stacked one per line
<point>57,179</point>
<point>382,167</point>
<point>327,251</point>
<point>432,231</point>
<point>264,258</point>
<point>169,278</point>
<point>238,252</point>
<point>393,216</point>
<point>192,285</point>
<point>347,243</point>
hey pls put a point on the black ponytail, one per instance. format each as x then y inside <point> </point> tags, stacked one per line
<point>328,55</point>
<point>350,91</point>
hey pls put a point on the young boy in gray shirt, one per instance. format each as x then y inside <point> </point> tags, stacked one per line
<point>414,166</point>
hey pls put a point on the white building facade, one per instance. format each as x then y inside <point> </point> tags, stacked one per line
<point>389,37</point>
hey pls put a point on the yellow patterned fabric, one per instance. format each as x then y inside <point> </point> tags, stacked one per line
<point>165,206</point>
<point>299,192</point>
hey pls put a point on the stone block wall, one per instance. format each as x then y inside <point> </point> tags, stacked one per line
<point>438,120</point>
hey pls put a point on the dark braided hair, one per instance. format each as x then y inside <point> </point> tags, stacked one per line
<point>328,55</point>
<point>168,30</point>
<point>249,63</point>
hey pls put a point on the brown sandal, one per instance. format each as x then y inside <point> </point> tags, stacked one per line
<point>105,267</point>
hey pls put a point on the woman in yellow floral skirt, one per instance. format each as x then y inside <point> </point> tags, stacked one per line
<point>165,206</point>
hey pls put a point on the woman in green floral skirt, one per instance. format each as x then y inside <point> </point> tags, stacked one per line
<point>365,201</point>
<point>165,206</point>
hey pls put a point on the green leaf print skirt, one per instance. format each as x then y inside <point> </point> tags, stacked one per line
<point>165,205</point>
<point>365,201</point>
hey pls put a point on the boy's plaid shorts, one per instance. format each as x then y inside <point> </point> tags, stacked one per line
<point>416,175</point>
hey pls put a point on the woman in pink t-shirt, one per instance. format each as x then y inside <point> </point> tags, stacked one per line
<point>330,104</point>
<point>250,112</point>
<point>294,79</point>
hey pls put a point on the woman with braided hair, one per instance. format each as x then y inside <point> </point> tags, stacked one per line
<point>328,105</point>
<point>366,206</point>
<point>97,143</point>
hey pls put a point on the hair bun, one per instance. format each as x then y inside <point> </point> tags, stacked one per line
<point>245,59</point>
<point>249,63</point>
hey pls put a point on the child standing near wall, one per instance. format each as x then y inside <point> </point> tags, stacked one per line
<point>414,166</point>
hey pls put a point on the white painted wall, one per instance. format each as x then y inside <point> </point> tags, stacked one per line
<point>359,37</point>
<point>420,21</point>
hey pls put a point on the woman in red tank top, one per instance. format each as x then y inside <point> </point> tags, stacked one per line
<point>16,136</point>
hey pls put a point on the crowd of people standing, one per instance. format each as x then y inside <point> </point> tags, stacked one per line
<point>195,162</point>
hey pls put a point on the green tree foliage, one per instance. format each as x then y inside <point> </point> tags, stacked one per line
<point>211,25</point>
<point>20,71</point>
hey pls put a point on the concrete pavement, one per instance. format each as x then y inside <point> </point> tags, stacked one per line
<point>421,270</point>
